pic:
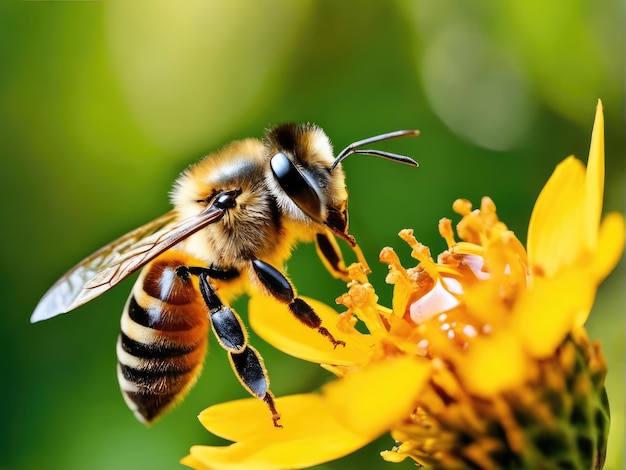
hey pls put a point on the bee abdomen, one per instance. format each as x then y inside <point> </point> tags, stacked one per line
<point>162,344</point>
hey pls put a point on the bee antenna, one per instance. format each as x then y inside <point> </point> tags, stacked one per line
<point>354,149</point>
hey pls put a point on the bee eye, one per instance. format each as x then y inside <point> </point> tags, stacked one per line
<point>297,186</point>
<point>227,200</point>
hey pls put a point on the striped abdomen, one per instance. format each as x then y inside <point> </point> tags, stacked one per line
<point>163,337</point>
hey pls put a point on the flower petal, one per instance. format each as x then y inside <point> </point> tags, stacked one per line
<point>610,245</point>
<point>310,435</point>
<point>556,232</point>
<point>594,181</point>
<point>548,311</point>
<point>371,400</point>
<point>239,420</point>
<point>274,322</point>
<point>494,364</point>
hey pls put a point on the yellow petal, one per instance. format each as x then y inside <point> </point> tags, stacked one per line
<point>219,458</point>
<point>555,231</point>
<point>371,400</point>
<point>548,311</point>
<point>494,364</point>
<point>310,435</point>
<point>610,245</point>
<point>192,462</point>
<point>240,420</point>
<point>275,324</point>
<point>594,181</point>
<point>484,301</point>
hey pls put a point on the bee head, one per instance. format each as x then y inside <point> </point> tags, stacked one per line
<point>301,158</point>
<point>311,178</point>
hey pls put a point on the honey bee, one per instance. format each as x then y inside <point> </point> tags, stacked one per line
<point>237,215</point>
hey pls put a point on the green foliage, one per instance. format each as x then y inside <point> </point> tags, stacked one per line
<point>103,103</point>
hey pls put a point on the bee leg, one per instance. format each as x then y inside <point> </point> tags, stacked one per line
<point>221,274</point>
<point>330,254</point>
<point>244,359</point>
<point>280,287</point>
<point>248,365</point>
<point>226,324</point>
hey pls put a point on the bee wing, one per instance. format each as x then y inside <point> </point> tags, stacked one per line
<point>116,261</point>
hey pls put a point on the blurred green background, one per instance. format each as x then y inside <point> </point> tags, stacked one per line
<point>104,103</point>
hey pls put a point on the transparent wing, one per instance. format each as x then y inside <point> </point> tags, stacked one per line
<point>119,259</point>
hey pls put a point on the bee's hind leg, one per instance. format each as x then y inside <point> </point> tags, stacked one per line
<point>280,288</point>
<point>244,359</point>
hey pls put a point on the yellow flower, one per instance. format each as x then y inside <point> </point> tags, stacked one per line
<point>482,361</point>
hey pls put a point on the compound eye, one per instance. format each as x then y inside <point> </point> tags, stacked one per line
<point>296,185</point>
<point>227,200</point>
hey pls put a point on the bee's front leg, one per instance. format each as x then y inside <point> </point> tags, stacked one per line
<point>280,288</point>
